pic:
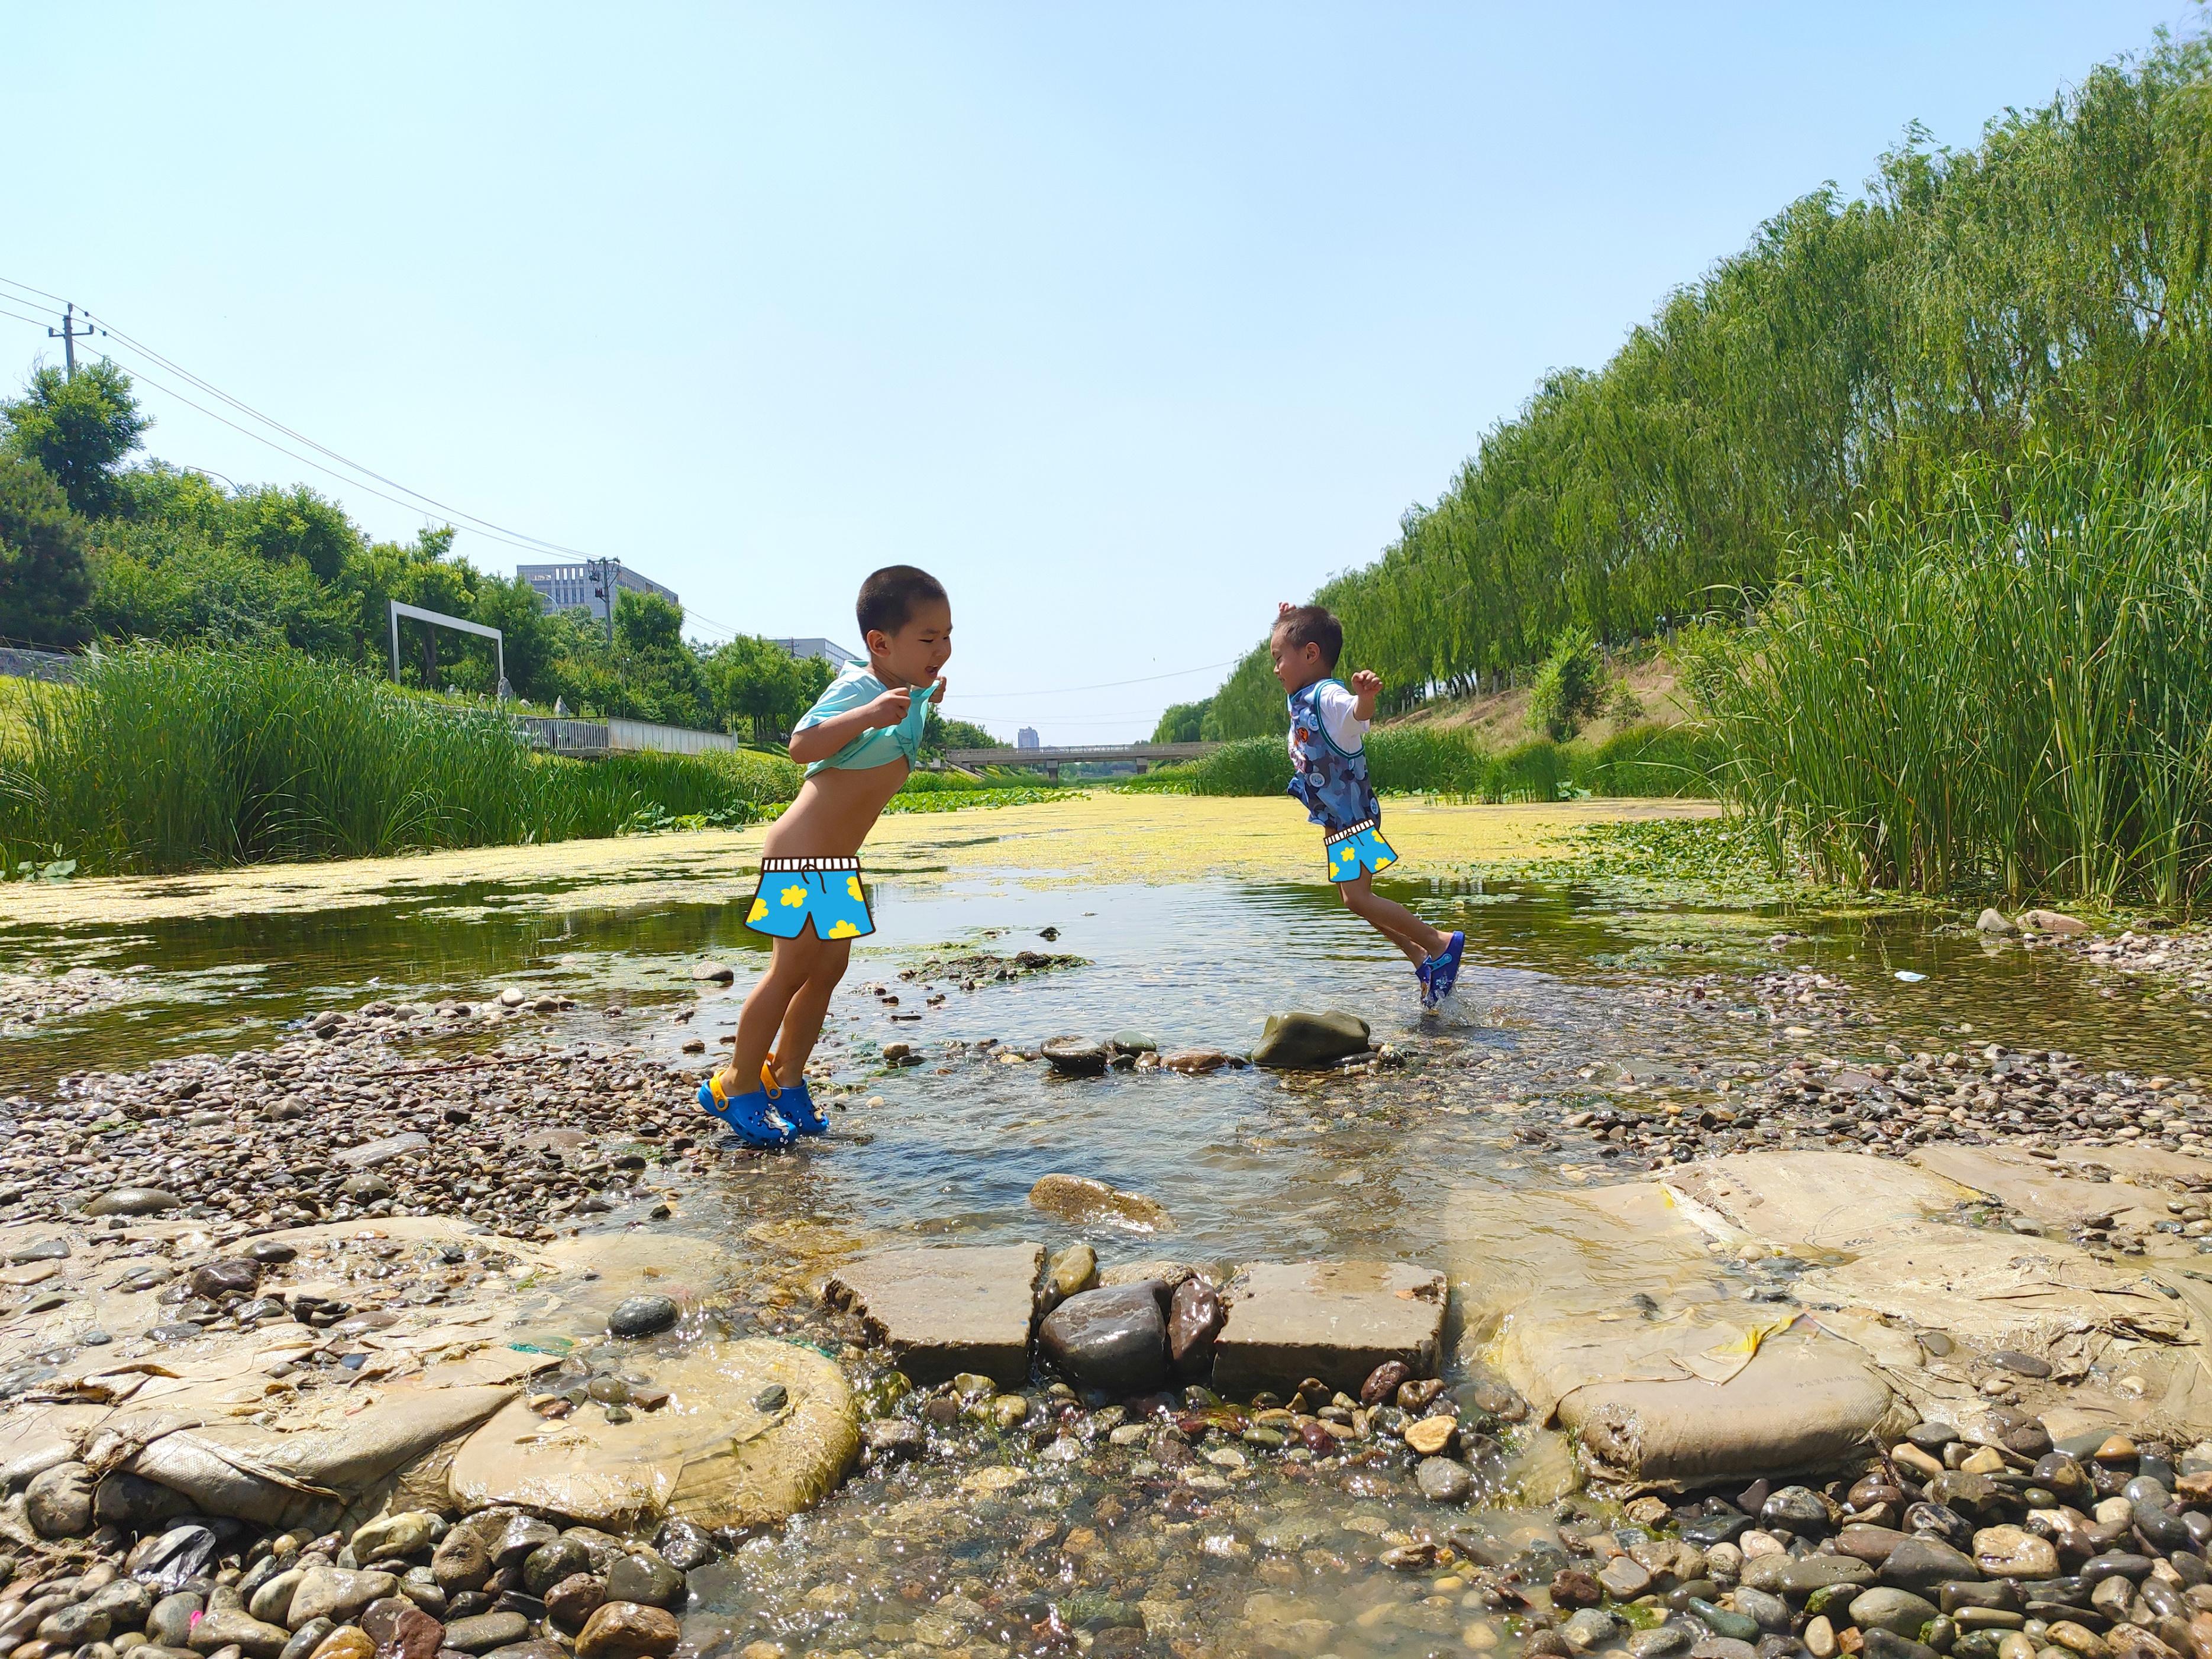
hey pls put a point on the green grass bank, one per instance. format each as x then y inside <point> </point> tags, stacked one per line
<point>1643,761</point>
<point>168,758</point>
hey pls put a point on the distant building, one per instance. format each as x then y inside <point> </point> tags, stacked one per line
<point>828,650</point>
<point>569,586</point>
<point>1027,739</point>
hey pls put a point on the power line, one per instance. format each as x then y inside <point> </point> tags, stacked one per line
<point>11,282</point>
<point>1103,685</point>
<point>518,537</point>
<point>35,322</point>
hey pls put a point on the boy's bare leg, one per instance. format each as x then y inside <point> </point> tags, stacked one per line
<point>789,966</point>
<point>803,1017</point>
<point>1394,920</point>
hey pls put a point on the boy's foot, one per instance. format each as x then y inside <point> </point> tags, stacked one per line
<point>1443,968</point>
<point>792,1102</point>
<point>751,1117</point>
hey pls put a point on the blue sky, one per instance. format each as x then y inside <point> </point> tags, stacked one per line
<point>1127,321</point>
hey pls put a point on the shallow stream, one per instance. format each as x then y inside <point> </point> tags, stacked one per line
<point>1570,994</point>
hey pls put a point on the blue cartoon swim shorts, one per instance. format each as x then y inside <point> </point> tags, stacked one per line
<point>825,892</point>
<point>1357,851</point>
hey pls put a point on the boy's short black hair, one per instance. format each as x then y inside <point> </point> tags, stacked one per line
<point>1313,624</point>
<point>889,596</point>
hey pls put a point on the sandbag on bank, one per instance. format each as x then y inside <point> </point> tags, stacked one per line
<point>1605,1309</point>
<point>1804,1402</point>
<point>310,1478</point>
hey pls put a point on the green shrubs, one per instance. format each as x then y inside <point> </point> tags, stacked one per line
<point>2010,690</point>
<point>1416,760</point>
<point>164,758</point>
<point>1569,685</point>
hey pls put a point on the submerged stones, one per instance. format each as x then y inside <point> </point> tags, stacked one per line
<point>642,1315</point>
<point>134,1201</point>
<point>1079,1201</point>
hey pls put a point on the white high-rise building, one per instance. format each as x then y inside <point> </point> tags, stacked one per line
<point>1027,739</point>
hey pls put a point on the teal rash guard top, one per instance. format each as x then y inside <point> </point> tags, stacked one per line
<point>856,688</point>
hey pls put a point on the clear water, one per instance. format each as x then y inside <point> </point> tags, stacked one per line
<point>1566,992</point>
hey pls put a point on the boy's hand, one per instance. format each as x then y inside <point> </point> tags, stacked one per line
<point>889,709</point>
<point>936,692</point>
<point>1366,686</point>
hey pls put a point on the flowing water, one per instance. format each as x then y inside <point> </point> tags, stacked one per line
<point>1569,995</point>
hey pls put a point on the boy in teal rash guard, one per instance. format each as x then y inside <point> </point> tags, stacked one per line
<point>857,743</point>
<point>1328,775</point>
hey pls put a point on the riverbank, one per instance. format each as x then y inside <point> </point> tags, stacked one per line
<point>1718,1200</point>
<point>1095,836</point>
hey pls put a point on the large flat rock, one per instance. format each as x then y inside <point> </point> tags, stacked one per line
<point>1336,1320</point>
<point>942,1312</point>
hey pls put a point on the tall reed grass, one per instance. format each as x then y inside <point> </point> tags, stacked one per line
<point>165,758</point>
<point>2008,690</point>
<point>1643,760</point>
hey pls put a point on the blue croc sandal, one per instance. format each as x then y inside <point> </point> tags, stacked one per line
<point>792,1102</point>
<point>1428,992</point>
<point>751,1117</point>
<point>1443,969</point>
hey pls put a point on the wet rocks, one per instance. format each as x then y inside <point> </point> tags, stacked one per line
<point>642,1315</point>
<point>338,1593</point>
<point>134,1201</point>
<point>2011,1551</point>
<point>624,1630</point>
<point>1898,1611</point>
<point>1443,1480</point>
<point>1299,1041</point>
<point>1114,1340</point>
<point>1074,1056</point>
<point>483,1631</point>
<point>1067,1272</point>
<point>1078,1200</point>
<point>1195,1316</point>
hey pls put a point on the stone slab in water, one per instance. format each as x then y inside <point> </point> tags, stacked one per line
<point>1336,1320</point>
<point>943,1312</point>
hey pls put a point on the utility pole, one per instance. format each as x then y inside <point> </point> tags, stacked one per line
<point>69,334</point>
<point>607,578</point>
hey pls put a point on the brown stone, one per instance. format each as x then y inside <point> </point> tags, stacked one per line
<point>346,1642</point>
<point>575,1598</point>
<point>1334,1321</point>
<point>626,1629</point>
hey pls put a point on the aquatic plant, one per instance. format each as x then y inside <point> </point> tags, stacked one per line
<point>1984,300</point>
<point>164,758</point>
<point>1441,761</point>
<point>2008,689</point>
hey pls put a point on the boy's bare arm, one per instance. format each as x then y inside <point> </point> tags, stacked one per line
<point>1366,686</point>
<point>813,743</point>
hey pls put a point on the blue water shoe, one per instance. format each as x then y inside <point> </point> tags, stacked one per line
<point>792,1102</point>
<point>751,1117</point>
<point>1443,968</point>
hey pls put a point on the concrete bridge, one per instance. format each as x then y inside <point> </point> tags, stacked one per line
<point>1049,761</point>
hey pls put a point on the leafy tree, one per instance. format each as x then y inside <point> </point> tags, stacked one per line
<point>1974,305</point>
<point>1570,686</point>
<point>79,428</point>
<point>756,681</point>
<point>43,580</point>
<point>1184,722</point>
<point>939,734</point>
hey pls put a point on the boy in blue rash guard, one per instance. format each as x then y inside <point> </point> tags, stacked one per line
<point>1328,774</point>
<point>857,743</point>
